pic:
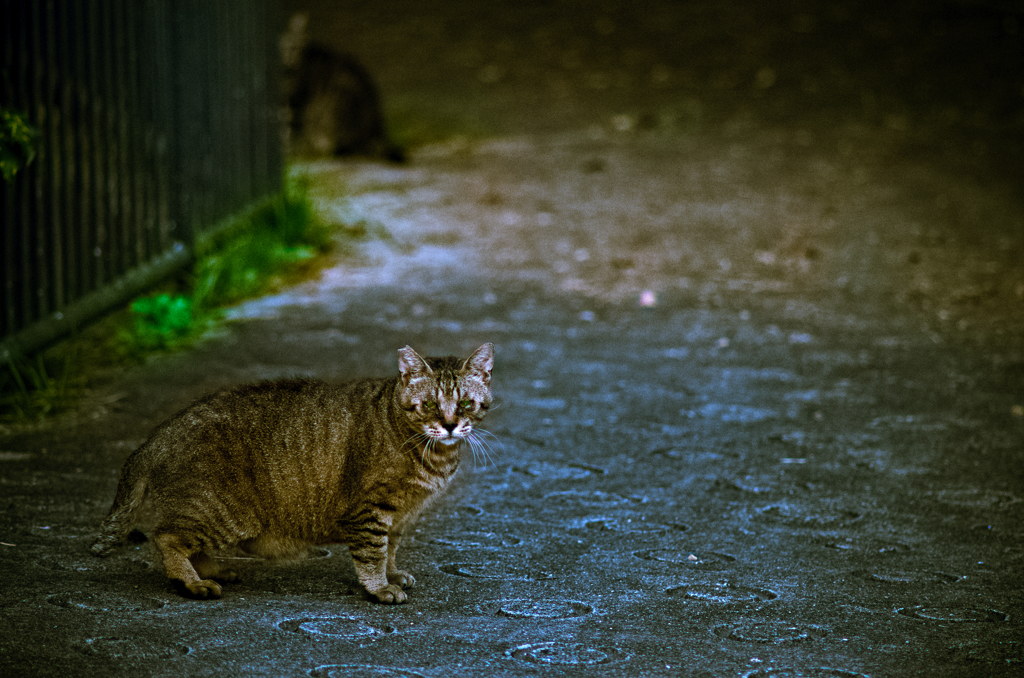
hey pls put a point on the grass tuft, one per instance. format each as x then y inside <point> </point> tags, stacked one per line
<point>32,390</point>
<point>160,322</point>
<point>249,255</point>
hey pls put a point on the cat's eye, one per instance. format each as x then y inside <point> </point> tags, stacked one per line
<point>465,404</point>
<point>429,405</point>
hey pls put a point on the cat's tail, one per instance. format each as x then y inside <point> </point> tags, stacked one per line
<point>117,526</point>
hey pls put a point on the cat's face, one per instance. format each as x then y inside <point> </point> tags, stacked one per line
<point>445,397</point>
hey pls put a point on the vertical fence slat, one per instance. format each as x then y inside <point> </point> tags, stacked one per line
<point>95,157</point>
<point>12,32</point>
<point>67,153</point>
<point>7,188</point>
<point>114,260</point>
<point>138,158</point>
<point>160,98</point>
<point>125,123</point>
<point>123,182</point>
<point>85,209</point>
<point>49,246</point>
<point>37,236</point>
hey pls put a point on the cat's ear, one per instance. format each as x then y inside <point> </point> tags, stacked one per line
<point>481,362</point>
<point>297,24</point>
<point>411,365</point>
<point>293,41</point>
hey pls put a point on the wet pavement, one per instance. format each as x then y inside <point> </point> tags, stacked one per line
<point>758,414</point>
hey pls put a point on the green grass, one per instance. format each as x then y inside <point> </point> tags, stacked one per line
<point>249,255</point>
<point>246,255</point>
<point>31,390</point>
<point>159,322</point>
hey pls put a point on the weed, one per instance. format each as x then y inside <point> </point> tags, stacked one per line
<point>160,322</point>
<point>18,141</point>
<point>275,237</point>
<point>31,391</point>
<point>246,256</point>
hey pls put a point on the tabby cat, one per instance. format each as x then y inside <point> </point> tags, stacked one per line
<point>278,466</point>
<point>333,107</point>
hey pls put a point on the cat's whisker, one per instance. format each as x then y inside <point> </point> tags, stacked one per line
<point>412,441</point>
<point>488,460</point>
<point>422,441</point>
<point>488,433</point>
<point>472,447</point>
<point>479,433</point>
<point>473,443</point>
<point>480,447</point>
<point>488,452</point>
<point>428,450</point>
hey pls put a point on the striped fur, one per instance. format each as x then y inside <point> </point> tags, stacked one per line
<point>278,466</point>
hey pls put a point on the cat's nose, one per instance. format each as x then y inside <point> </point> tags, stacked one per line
<point>449,427</point>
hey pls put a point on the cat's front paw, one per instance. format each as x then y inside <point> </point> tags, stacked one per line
<point>389,595</point>
<point>202,589</point>
<point>403,579</point>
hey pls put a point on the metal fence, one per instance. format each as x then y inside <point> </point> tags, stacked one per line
<point>157,119</point>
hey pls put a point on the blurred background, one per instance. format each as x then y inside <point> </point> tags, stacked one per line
<point>145,124</point>
<point>940,79</point>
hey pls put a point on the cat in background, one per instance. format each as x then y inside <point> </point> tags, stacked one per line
<point>333,107</point>
<point>279,466</point>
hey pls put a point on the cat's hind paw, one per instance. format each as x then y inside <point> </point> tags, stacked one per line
<point>403,579</point>
<point>390,595</point>
<point>226,576</point>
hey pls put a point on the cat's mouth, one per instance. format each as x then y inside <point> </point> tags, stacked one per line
<point>449,438</point>
<point>446,437</point>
